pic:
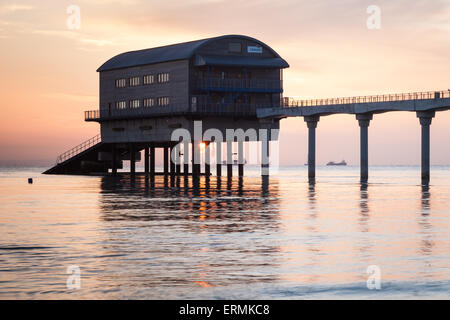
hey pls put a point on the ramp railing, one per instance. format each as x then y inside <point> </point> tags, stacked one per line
<point>78,149</point>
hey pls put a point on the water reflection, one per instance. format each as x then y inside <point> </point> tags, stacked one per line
<point>426,228</point>
<point>193,233</point>
<point>364,206</point>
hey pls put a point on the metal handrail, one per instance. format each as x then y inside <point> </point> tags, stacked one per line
<point>78,149</point>
<point>289,102</point>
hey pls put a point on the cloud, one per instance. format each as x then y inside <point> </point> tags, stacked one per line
<point>15,7</point>
<point>76,36</point>
<point>71,96</point>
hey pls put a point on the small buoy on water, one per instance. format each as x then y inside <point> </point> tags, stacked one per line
<point>30,180</point>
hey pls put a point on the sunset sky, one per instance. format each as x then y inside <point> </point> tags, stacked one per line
<point>48,75</point>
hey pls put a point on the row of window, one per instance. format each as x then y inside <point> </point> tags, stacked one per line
<point>147,79</point>
<point>147,102</point>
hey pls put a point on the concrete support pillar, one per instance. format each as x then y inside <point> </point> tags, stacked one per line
<point>132,160</point>
<point>114,159</point>
<point>241,158</point>
<point>166,160</point>
<point>218,158</point>
<point>186,158</point>
<point>177,159</point>
<point>146,160</point>
<point>171,160</point>
<point>265,151</point>
<point>152,161</point>
<point>229,159</point>
<point>311,122</point>
<point>425,118</point>
<point>207,159</point>
<point>364,121</point>
<point>195,158</point>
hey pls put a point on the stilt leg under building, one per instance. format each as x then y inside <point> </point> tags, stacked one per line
<point>311,122</point>
<point>171,160</point>
<point>241,158</point>
<point>166,160</point>
<point>114,160</point>
<point>218,158</point>
<point>132,160</point>
<point>425,118</point>
<point>265,152</point>
<point>152,161</point>
<point>229,158</point>
<point>364,121</point>
<point>186,158</point>
<point>195,158</point>
<point>146,161</point>
<point>177,160</point>
<point>207,159</point>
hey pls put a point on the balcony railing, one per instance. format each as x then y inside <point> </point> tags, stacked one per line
<point>289,102</point>
<point>249,85</point>
<point>174,110</point>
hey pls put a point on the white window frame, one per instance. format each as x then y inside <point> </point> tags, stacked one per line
<point>149,79</point>
<point>148,102</point>
<point>121,105</point>
<point>135,81</point>
<point>121,83</point>
<point>135,103</point>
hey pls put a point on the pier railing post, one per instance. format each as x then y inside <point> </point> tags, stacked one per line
<point>311,122</point>
<point>425,118</point>
<point>364,121</point>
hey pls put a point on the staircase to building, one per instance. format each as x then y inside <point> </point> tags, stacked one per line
<point>81,159</point>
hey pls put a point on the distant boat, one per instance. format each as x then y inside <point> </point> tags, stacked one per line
<point>332,163</point>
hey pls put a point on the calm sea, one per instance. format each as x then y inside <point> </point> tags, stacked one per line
<point>175,239</point>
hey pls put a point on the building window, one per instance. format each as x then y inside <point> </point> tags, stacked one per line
<point>134,104</point>
<point>121,105</point>
<point>163,77</point>
<point>135,81</point>
<point>149,79</point>
<point>121,83</point>
<point>149,102</point>
<point>163,101</point>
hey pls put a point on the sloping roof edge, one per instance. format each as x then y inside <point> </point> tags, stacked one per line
<point>174,52</point>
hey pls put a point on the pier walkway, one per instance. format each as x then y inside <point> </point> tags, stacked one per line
<point>425,104</point>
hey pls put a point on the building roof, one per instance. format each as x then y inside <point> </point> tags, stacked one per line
<point>180,51</point>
